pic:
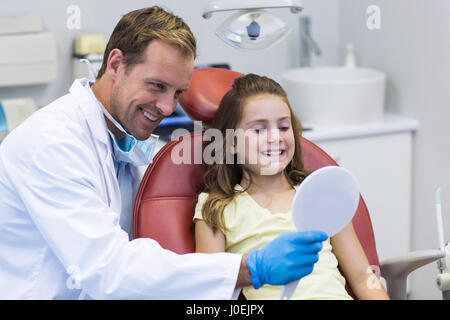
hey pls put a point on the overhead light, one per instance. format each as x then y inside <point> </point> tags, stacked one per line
<point>230,5</point>
<point>252,27</point>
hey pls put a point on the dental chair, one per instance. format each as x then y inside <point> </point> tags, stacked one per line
<point>165,202</point>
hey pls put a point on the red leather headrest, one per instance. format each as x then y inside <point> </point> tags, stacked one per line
<point>207,87</point>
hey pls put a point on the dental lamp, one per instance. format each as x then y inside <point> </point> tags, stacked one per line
<point>252,27</point>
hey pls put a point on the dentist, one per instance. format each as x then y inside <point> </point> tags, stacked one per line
<point>68,179</point>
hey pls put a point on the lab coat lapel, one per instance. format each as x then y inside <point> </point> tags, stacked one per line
<point>97,125</point>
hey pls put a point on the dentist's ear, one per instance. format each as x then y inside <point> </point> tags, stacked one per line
<point>115,60</point>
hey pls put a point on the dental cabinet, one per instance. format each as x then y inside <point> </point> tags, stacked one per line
<point>380,157</point>
<point>28,54</point>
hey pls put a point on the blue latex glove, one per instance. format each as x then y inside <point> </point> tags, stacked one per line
<point>288,257</point>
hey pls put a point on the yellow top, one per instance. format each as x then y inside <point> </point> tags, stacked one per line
<point>252,226</point>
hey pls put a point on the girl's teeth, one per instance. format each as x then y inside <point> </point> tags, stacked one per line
<point>274,153</point>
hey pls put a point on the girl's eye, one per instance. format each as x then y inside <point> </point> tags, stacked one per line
<point>284,128</point>
<point>259,130</point>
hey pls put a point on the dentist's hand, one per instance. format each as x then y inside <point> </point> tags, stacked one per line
<point>288,257</point>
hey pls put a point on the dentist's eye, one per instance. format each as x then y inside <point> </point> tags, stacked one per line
<point>177,94</point>
<point>157,86</point>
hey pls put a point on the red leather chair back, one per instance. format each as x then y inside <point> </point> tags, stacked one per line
<point>166,199</point>
<point>165,202</point>
<point>207,87</point>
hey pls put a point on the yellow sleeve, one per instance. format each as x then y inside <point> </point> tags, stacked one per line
<point>198,208</point>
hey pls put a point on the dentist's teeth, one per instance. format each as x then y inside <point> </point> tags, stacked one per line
<point>148,116</point>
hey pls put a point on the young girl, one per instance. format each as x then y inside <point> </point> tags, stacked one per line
<point>246,203</point>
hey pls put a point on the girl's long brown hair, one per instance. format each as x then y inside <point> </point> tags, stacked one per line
<point>220,178</point>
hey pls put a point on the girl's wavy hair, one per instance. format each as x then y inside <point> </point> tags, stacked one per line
<point>220,178</point>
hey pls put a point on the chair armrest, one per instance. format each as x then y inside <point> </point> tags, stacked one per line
<point>396,270</point>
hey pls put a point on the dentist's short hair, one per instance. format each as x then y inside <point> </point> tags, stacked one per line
<point>138,28</point>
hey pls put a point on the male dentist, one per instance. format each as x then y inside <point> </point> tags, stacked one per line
<point>68,179</point>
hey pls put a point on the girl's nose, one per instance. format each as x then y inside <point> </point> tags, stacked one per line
<point>273,135</point>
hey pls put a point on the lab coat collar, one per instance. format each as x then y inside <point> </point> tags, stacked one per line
<point>90,109</point>
<point>94,115</point>
<point>97,125</point>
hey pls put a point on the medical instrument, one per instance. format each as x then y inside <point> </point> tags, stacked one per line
<point>88,47</point>
<point>28,55</point>
<point>440,228</point>
<point>443,278</point>
<point>327,201</point>
<point>251,27</point>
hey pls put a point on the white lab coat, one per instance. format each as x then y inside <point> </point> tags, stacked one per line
<point>59,219</point>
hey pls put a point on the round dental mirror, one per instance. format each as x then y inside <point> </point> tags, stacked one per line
<point>326,201</point>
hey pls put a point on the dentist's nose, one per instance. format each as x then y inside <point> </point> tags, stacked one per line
<point>166,104</point>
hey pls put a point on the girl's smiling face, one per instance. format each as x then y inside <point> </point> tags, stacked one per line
<point>265,139</point>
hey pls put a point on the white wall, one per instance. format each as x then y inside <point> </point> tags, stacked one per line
<point>413,47</point>
<point>102,16</point>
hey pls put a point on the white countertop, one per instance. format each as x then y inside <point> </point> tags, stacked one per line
<point>392,123</point>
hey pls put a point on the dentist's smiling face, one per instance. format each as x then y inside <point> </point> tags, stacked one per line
<point>269,139</point>
<point>145,93</point>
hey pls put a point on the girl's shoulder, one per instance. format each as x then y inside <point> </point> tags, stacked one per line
<point>202,196</point>
<point>237,198</point>
<point>237,188</point>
